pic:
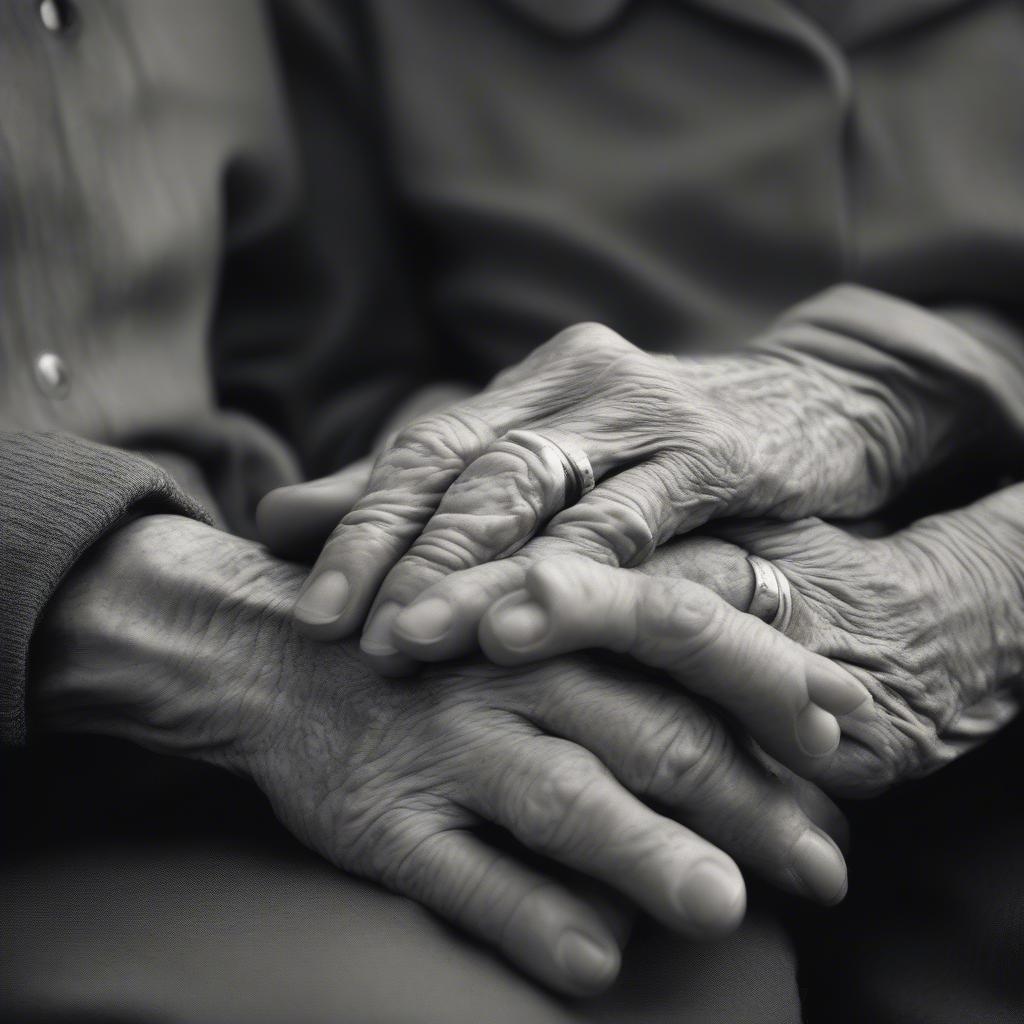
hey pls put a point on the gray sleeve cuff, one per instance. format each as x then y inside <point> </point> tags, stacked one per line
<point>58,495</point>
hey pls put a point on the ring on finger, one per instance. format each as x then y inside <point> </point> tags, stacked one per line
<point>574,461</point>
<point>772,601</point>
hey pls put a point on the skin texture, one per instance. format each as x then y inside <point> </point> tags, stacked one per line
<point>179,637</point>
<point>930,620</point>
<point>294,520</point>
<point>673,444</point>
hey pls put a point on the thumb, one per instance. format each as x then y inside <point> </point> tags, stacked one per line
<point>295,521</point>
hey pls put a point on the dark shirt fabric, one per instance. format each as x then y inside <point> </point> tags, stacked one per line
<point>250,235</point>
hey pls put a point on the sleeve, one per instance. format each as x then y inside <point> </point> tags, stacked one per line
<point>59,494</point>
<point>321,330</point>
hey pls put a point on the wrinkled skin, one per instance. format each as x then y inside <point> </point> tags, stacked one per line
<point>178,637</point>
<point>930,620</point>
<point>673,443</point>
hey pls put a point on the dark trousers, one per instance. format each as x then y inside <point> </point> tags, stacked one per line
<point>139,888</point>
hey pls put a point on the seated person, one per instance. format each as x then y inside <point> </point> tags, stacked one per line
<point>471,178</point>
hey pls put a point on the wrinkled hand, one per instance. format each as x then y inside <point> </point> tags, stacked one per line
<point>672,444</point>
<point>929,620</point>
<point>178,636</point>
<point>294,520</point>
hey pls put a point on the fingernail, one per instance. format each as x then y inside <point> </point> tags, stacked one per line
<point>323,599</point>
<point>588,963</point>
<point>521,625</point>
<point>820,868</point>
<point>823,813</point>
<point>817,732</point>
<point>426,620</point>
<point>712,896</point>
<point>834,688</point>
<point>376,638</point>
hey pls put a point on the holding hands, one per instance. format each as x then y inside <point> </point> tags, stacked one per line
<point>621,785</point>
<point>912,641</point>
<point>591,446</point>
<point>504,523</point>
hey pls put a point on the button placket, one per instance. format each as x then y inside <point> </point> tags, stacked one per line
<point>52,375</point>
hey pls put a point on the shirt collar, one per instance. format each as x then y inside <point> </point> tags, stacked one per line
<point>851,23</point>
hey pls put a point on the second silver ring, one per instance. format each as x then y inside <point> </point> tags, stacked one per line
<point>772,601</point>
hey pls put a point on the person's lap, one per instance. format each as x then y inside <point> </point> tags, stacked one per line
<point>152,890</point>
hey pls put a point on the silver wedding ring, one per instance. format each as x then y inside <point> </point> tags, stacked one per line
<point>773,598</point>
<point>564,454</point>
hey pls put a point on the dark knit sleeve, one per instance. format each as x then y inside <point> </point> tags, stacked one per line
<point>59,494</point>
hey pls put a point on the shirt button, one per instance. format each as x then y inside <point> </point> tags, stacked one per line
<point>56,15</point>
<point>53,375</point>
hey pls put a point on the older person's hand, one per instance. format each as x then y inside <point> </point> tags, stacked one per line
<point>178,636</point>
<point>670,444</point>
<point>930,620</point>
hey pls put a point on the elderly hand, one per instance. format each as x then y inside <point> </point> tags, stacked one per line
<point>670,444</point>
<point>294,521</point>
<point>930,620</point>
<point>178,636</point>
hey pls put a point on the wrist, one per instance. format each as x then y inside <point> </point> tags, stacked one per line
<point>155,637</point>
<point>974,560</point>
<point>827,439</point>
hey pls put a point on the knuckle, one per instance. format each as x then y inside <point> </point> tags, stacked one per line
<point>363,834</point>
<point>587,345</point>
<point>372,532</point>
<point>445,438</point>
<point>688,617</point>
<point>557,802</point>
<point>683,765</point>
<point>589,336</point>
<point>449,548</point>
<point>503,481</point>
<point>612,529</point>
<point>678,613</point>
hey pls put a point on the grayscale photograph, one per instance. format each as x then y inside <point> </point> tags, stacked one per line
<point>511,511</point>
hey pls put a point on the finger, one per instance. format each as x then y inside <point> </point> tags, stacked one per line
<point>631,514</point>
<point>490,511</point>
<point>542,927</point>
<point>405,487</point>
<point>720,564</point>
<point>619,523</point>
<point>559,800</point>
<point>295,521</point>
<point>442,622</point>
<point>734,659</point>
<point>717,564</point>
<point>669,750</point>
